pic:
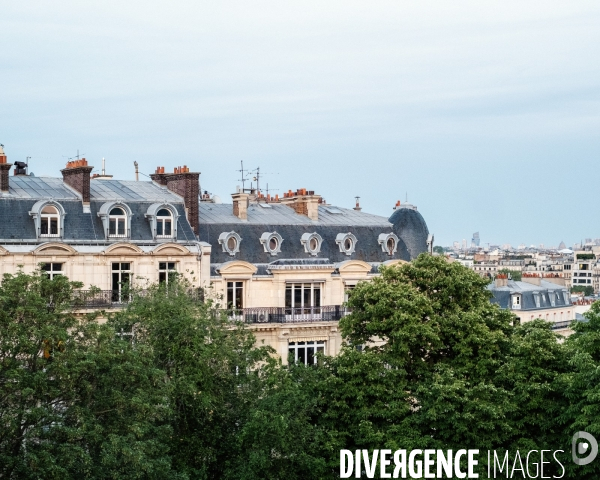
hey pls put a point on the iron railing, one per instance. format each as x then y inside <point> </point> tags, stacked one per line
<point>561,325</point>
<point>330,313</point>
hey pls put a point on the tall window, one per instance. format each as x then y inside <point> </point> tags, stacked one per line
<point>235,295</point>
<point>49,222</point>
<point>121,281</point>
<point>303,299</point>
<point>304,352</point>
<point>166,271</point>
<point>164,223</point>
<point>117,223</point>
<point>53,270</point>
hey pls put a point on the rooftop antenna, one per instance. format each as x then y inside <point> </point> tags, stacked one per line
<point>137,175</point>
<point>103,166</point>
<point>77,156</point>
<point>243,176</point>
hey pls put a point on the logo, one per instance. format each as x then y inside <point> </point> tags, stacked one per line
<point>583,447</point>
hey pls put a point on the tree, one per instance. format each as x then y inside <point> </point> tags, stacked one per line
<point>514,274</point>
<point>211,368</point>
<point>587,290</point>
<point>76,401</point>
<point>439,250</point>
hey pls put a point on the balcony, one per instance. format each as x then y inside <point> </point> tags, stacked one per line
<point>105,299</point>
<point>330,313</point>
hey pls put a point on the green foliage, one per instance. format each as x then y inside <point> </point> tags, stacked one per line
<point>587,290</point>
<point>439,250</point>
<point>514,274</point>
<point>170,388</point>
<point>586,256</point>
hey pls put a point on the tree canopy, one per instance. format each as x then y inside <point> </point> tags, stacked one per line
<point>169,387</point>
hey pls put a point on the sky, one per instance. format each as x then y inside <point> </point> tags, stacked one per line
<point>486,115</point>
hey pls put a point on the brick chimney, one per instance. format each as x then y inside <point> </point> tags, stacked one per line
<point>159,176</point>
<point>304,202</point>
<point>77,176</point>
<point>501,280</point>
<point>532,278</point>
<point>187,185</point>
<point>240,205</point>
<point>4,170</point>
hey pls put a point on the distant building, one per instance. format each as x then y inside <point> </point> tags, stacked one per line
<point>562,245</point>
<point>475,240</point>
<point>535,297</point>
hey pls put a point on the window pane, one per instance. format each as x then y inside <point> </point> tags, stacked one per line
<point>163,213</point>
<point>307,302</point>
<point>162,276</point>
<point>112,228</point>
<point>115,281</point>
<point>239,297</point>
<point>159,228</point>
<point>57,267</point>
<point>229,294</point>
<point>125,266</point>
<point>297,296</point>
<point>167,227</point>
<point>116,266</point>
<point>121,224</point>
<point>172,266</point>
<point>288,296</point>
<point>302,355</point>
<point>317,296</point>
<point>44,226</point>
<point>54,226</point>
<point>162,266</point>
<point>117,211</point>
<point>310,356</point>
<point>47,267</point>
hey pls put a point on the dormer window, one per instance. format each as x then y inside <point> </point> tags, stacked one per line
<point>312,243</point>
<point>271,242</point>
<point>49,221</point>
<point>552,298</point>
<point>164,223</point>
<point>230,241</point>
<point>163,220</point>
<point>516,302</point>
<point>388,242</point>
<point>116,219</point>
<point>346,242</point>
<point>117,223</point>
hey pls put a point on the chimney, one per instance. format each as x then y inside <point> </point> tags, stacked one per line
<point>4,170</point>
<point>501,280</point>
<point>304,202</point>
<point>159,176</point>
<point>187,185</point>
<point>357,208</point>
<point>77,176</point>
<point>240,205</point>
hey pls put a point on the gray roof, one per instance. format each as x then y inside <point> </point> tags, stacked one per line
<point>502,295</point>
<point>16,225</point>
<point>278,214</point>
<point>407,224</point>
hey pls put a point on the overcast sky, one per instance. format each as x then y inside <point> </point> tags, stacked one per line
<point>486,113</point>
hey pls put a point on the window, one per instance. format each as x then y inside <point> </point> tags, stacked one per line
<point>235,295</point>
<point>164,223</point>
<point>230,242</point>
<point>117,222</point>
<point>53,270</point>
<point>303,301</point>
<point>389,243</point>
<point>312,243</point>
<point>166,271</point>
<point>49,221</point>
<point>121,281</point>
<point>552,298</point>
<point>304,352</point>
<point>516,302</point>
<point>271,242</point>
<point>346,243</point>
<point>536,296</point>
<point>347,290</point>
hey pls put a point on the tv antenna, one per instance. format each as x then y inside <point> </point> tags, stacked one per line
<point>251,176</point>
<point>76,156</point>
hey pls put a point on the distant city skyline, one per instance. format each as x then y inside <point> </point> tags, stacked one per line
<point>485,114</point>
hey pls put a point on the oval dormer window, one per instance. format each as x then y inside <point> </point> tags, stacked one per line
<point>389,243</point>
<point>312,243</point>
<point>230,242</point>
<point>271,242</point>
<point>346,242</point>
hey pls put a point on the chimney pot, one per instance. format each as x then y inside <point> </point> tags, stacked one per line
<point>77,176</point>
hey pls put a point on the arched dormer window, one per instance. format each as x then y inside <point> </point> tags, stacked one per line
<point>49,218</point>
<point>163,220</point>
<point>116,219</point>
<point>164,223</point>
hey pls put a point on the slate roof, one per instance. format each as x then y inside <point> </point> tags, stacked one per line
<point>16,225</point>
<point>215,219</point>
<point>502,295</point>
